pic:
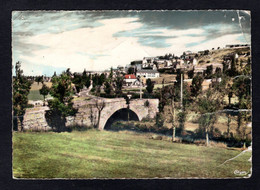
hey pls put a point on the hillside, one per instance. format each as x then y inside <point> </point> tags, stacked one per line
<point>216,56</point>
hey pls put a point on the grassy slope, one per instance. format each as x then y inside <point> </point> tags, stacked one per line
<point>105,154</point>
<point>35,93</point>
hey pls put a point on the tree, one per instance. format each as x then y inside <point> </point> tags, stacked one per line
<point>61,104</point>
<point>108,88</point>
<point>242,89</point>
<point>77,81</point>
<point>110,78</point>
<point>196,85</point>
<point>209,71</point>
<point>207,105</point>
<point>218,72</point>
<point>101,79</point>
<point>172,110</point>
<point>118,84</point>
<point>191,73</point>
<point>181,120</point>
<point>39,79</point>
<point>44,91</point>
<point>247,68</point>
<point>21,89</point>
<point>100,106</point>
<point>149,86</point>
<point>131,70</point>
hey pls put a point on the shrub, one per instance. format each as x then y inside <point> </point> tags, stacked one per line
<point>79,128</point>
<point>146,103</point>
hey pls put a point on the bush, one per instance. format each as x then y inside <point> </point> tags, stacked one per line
<point>159,120</point>
<point>146,103</point>
<point>79,128</point>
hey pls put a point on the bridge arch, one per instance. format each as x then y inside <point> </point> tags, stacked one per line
<point>122,114</point>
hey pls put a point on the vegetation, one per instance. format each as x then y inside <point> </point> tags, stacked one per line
<point>149,86</point>
<point>106,154</point>
<point>44,91</point>
<point>61,105</point>
<point>118,84</point>
<point>196,85</point>
<point>207,104</point>
<point>21,89</point>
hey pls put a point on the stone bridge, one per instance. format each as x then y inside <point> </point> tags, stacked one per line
<point>114,109</point>
<point>88,112</point>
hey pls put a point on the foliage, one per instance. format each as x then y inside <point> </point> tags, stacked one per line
<point>149,86</point>
<point>160,119</point>
<point>209,72</point>
<point>108,88</point>
<point>207,105</point>
<point>118,84</point>
<point>218,72</point>
<point>39,79</point>
<point>78,81</point>
<point>242,87</point>
<point>146,103</point>
<point>191,73</point>
<point>165,96</point>
<point>62,92</point>
<point>44,91</point>
<point>131,70</point>
<point>182,116</point>
<point>86,79</point>
<point>196,85</point>
<point>247,68</point>
<point>21,89</point>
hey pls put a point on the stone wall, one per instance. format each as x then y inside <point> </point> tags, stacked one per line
<point>34,119</point>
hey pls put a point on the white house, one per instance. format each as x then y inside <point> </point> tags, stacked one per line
<point>194,62</point>
<point>148,73</point>
<point>130,79</point>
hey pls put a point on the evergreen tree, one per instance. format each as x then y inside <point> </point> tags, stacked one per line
<point>149,86</point>
<point>21,89</point>
<point>39,79</point>
<point>118,84</point>
<point>61,105</point>
<point>209,71</point>
<point>77,81</point>
<point>108,88</point>
<point>196,85</point>
<point>44,91</point>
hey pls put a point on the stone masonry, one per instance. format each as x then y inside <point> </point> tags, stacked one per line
<point>87,115</point>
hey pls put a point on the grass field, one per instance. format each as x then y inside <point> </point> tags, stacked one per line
<point>35,93</point>
<point>124,154</point>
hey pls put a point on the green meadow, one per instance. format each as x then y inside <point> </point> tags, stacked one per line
<point>124,154</point>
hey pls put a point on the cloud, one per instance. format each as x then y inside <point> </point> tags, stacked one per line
<point>99,40</point>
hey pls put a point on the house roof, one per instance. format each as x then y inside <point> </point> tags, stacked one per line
<point>130,76</point>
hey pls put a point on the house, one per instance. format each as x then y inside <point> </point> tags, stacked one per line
<point>148,73</point>
<point>148,62</point>
<point>130,79</point>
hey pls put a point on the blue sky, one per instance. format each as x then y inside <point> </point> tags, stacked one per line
<point>48,41</point>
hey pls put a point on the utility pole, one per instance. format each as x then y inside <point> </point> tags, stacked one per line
<point>173,122</point>
<point>140,88</point>
<point>181,90</point>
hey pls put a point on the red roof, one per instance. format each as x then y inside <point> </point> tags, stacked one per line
<point>130,76</point>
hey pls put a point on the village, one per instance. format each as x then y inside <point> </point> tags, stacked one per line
<point>131,94</point>
<point>162,70</point>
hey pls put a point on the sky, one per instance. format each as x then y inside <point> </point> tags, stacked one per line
<point>49,41</point>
